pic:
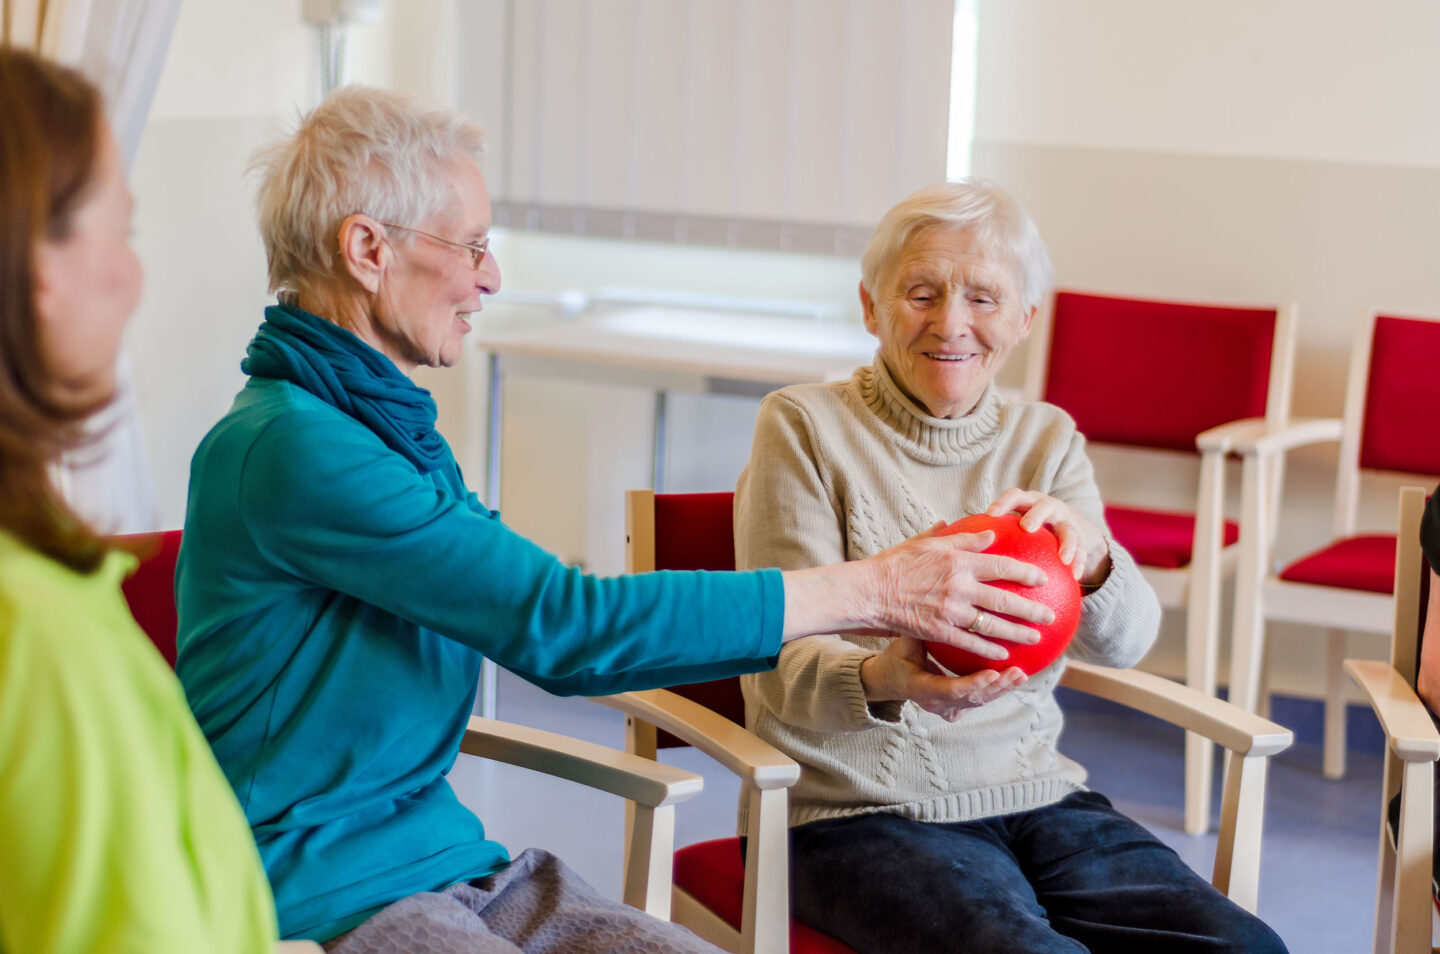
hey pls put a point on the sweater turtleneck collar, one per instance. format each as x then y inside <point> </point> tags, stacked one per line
<point>931,440</point>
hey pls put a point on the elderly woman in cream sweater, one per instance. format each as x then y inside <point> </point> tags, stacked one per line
<point>935,812</point>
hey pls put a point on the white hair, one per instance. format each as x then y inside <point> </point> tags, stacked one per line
<point>362,150</point>
<point>962,204</point>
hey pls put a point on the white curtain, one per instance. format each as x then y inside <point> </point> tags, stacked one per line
<point>120,45</point>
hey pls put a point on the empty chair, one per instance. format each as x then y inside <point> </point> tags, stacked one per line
<point>1173,378</point>
<point>744,907</point>
<point>1346,584</point>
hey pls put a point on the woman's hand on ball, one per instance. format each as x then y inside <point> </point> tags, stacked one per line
<point>1083,546</point>
<point>937,588</point>
<point>904,672</point>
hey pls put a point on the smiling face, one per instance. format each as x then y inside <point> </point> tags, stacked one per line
<point>87,283</point>
<point>947,314</point>
<point>429,288</point>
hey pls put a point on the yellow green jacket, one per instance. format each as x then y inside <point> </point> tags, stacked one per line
<point>118,831</point>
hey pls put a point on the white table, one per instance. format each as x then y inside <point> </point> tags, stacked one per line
<point>663,349</point>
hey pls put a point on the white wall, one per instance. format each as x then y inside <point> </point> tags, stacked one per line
<point>1230,151</point>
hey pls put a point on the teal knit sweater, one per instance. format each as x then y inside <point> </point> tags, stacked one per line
<point>335,602</point>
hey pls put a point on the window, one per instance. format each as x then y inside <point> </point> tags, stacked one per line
<point>787,124</point>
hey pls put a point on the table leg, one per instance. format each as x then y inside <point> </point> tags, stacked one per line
<point>657,467</point>
<point>489,672</point>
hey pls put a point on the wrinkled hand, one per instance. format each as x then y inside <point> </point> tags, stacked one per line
<point>1082,544</point>
<point>904,672</point>
<point>934,587</point>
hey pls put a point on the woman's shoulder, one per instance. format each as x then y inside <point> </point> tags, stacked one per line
<point>1036,416</point>
<point>276,418</point>
<point>30,578</point>
<point>51,612</point>
<point>807,395</point>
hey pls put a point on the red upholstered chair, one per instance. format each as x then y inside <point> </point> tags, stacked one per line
<point>150,590</point>
<point>1403,906</point>
<point>1388,425</point>
<point>744,907</point>
<point>1171,378</point>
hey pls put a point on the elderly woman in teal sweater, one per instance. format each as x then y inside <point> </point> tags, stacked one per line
<point>338,584</point>
<point>925,818</point>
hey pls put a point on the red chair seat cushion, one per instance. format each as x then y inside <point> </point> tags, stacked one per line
<point>1354,563</point>
<point>714,874</point>
<point>1160,538</point>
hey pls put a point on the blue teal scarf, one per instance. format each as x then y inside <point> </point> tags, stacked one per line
<point>343,371</point>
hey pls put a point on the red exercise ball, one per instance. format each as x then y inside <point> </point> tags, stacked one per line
<point>1060,592</point>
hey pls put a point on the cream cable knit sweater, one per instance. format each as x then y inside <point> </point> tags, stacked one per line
<point>841,471</point>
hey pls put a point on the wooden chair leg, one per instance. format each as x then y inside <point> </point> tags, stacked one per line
<point>1199,777</point>
<point>1411,907</point>
<point>1237,851</point>
<point>640,739</point>
<point>1202,637</point>
<point>1335,741</point>
<point>1247,646</point>
<point>1385,893</point>
<point>654,827</point>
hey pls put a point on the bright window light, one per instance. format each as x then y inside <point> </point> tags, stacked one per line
<point>962,92</point>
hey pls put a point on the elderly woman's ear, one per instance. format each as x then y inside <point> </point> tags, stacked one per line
<point>1028,322</point>
<point>363,250</point>
<point>867,306</point>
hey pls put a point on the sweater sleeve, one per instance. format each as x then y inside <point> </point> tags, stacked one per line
<point>787,516</point>
<point>331,506</point>
<point>1120,621</point>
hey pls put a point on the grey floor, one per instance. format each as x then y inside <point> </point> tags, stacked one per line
<point>1318,867</point>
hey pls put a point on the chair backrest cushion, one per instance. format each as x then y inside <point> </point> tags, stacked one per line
<point>697,532</point>
<point>150,590</point>
<point>1401,395</point>
<point>1156,373</point>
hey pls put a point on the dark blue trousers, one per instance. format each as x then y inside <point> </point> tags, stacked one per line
<point>1072,877</point>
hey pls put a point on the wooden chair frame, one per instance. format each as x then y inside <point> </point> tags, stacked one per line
<point>1260,594</point>
<point>1196,588</point>
<point>1403,908</point>
<point>651,790</point>
<point>766,773</point>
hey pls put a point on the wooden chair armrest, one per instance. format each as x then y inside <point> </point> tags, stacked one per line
<point>629,776</point>
<point>1409,730</point>
<point>298,947</point>
<point>736,748</point>
<point>1222,437</point>
<point>1265,441</point>
<point>1220,721</point>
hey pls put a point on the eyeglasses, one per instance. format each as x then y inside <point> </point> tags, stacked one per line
<point>477,250</point>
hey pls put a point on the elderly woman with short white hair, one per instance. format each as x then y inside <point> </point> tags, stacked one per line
<point>934,812</point>
<point>338,584</point>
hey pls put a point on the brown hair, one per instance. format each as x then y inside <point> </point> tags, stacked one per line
<point>48,154</point>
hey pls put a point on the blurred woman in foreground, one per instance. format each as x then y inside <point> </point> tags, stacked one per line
<point>118,832</point>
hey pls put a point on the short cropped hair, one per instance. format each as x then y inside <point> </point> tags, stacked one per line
<point>962,204</point>
<point>361,150</point>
